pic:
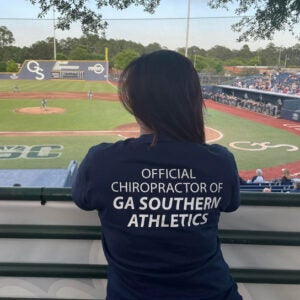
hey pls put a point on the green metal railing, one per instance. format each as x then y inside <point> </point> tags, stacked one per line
<point>43,195</point>
<point>253,237</point>
<point>100,272</point>
<point>64,194</point>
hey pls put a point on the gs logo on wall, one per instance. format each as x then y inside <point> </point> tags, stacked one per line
<point>30,152</point>
<point>34,67</point>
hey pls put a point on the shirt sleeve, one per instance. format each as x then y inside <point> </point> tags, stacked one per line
<point>81,187</point>
<point>235,200</point>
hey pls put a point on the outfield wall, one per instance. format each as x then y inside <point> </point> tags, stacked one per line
<point>60,69</point>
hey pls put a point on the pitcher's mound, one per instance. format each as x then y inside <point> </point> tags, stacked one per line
<point>39,110</point>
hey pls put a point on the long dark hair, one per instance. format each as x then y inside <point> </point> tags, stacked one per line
<point>162,89</point>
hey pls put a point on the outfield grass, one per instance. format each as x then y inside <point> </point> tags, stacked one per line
<point>56,86</point>
<point>106,115</point>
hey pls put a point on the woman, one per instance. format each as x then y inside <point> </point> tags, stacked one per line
<point>258,178</point>
<point>159,196</point>
<point>286,177</point>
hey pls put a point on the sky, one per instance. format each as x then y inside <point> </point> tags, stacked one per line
<point>212,26</point>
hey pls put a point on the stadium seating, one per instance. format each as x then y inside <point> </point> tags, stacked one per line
<point>259,187</point>
<point>279,82</point>
<point>50,249</point>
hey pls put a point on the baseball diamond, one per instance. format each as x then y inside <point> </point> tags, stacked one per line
<point>125,128</point>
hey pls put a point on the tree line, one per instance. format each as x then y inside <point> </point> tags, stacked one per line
<point>121,52</point>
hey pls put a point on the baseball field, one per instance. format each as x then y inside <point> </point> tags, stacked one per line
<point>35,137</point>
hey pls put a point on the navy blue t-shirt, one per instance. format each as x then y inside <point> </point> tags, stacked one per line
<point>159,208</point>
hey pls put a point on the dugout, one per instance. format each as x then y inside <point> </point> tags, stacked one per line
<point>291,110</point>
<point>290,104</point>
<point>256,95</point>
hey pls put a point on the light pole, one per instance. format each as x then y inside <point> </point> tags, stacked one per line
<point>187,29</point>
<point>54,38</point>
<point>279,56</point>
<point>285,60</point>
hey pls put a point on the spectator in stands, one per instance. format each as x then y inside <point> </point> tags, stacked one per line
<point>258,178</point>
<point>296,188</point>
<point>156,247</point>
<point>286,177</point>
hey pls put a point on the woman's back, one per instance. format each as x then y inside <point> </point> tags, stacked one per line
<point>159,208</point>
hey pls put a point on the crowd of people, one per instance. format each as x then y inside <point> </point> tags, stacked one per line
<point>286,179</point>
<point>276,82</point>
<point>246,103</point>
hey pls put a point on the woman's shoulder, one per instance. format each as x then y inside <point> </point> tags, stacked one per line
<point>217,148</point>
<point>133,144</point>
<point>218,153</point>
<point>110,147</point>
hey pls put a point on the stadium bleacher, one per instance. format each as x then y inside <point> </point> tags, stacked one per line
<point>259,187</point>
<point>278,82</point>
